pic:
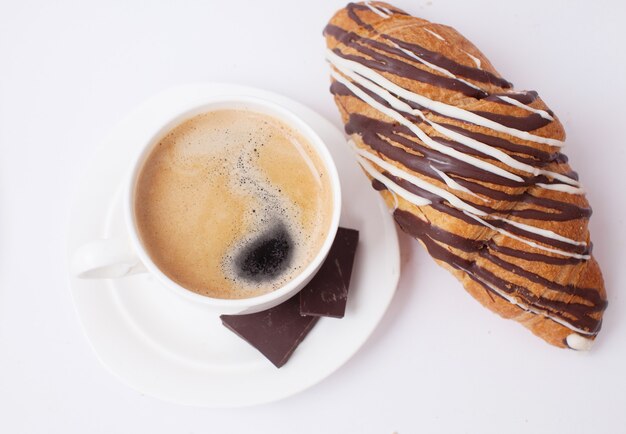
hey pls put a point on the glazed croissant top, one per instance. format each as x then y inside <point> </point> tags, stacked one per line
<point>470,167</point>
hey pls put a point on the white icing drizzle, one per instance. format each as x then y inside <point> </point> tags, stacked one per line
<point>454,200</point>
<point>472,143</point>
<point>543,232</point>
<point>460,138</point>
<point>528,308</point>
<point>386,10</point>
<point>477,162</point>
<point>471,211</point>
<point>577,342</point>
<point>376,10</point>
<point>436,35</point>
<point>392,186</point>
<point>455,185</point>
<point>544,114</point>
<point>343,65</point>
<point>525,241</point>
<point>399,173</point>
<point>474,58</point>
<point>432,66</point>
<point>494,152</point>
<point>562,187</point>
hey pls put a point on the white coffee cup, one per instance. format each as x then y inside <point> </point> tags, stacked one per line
<point>120,257</point>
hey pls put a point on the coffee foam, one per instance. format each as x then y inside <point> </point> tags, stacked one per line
<point>222,183</point>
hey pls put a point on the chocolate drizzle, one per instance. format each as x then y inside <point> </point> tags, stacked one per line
<point>540,157</point>
<point>384,63</point>
<point>527,97</point>
<point>372,132</point>
<point>527,123</point>
<point>455,68</point>
<point>351,8</point>
<point>372,49</point>
<point>350,39</point>
<point>580,315</point>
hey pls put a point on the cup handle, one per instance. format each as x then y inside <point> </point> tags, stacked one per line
<point>106,259</point>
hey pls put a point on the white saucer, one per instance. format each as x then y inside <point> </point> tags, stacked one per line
<point>170,348</point>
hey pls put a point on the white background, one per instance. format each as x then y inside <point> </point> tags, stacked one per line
<point>69,71</point>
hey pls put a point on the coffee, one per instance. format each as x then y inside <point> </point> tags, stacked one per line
<point>233,204</point>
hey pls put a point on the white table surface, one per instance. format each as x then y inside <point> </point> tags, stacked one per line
<point>438,362</point>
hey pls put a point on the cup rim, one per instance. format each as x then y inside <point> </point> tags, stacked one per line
<point>260,105</point>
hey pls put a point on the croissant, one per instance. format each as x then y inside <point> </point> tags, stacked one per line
<point>470,167</point>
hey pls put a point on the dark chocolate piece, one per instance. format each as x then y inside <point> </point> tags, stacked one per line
<point>327,293</point>
<point>275,332</point>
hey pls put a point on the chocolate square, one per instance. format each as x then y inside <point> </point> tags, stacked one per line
<point>275,332</point>
<point>327,293</point>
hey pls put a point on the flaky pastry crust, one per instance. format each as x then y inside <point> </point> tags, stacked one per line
<point>470,167</point>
